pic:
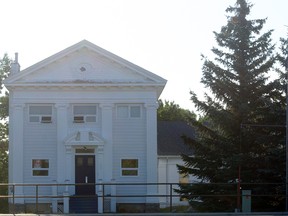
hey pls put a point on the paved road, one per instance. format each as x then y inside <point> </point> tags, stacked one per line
<point>159,214</point>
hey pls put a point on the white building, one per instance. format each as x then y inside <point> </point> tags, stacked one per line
<point>170,147</point>
<point>83,115</point>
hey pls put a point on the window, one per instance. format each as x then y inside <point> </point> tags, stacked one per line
<point>40,167</point>
<point>128,111</point>
<point>183,179</point>
<point>40,113</point>
<point>84,113</point>
<point>129,167</point>
<point>134,111</point>
<point>84,150</point>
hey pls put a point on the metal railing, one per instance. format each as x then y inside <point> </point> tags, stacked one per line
<point>118,191</point>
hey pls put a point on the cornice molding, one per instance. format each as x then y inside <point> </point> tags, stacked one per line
<point>83,87</point>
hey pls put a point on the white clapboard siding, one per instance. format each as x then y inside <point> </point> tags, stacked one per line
<point>40,142</point>
<point>130,142</point>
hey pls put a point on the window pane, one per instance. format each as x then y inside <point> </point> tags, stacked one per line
<point>122,111</point>
<point>34,118</point>
<point>90,161</point>
<point>90,118</point>
<point>183,178</point>
<point>129,172</point>
<point>84,150</point>
<point>85,110</point>
<point>135,111</point>
<point>129,163</point>
<point>40,163</point>
<point>79,161</point>
<point>40,172</point>
<point>45,163</point>
<point>40,110</point>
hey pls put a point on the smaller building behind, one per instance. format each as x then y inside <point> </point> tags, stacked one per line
<point>170,147</point>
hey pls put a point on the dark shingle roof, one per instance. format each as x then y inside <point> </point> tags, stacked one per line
<point>169,137</point>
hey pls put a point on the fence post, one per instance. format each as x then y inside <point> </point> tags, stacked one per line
<point>100,197</point>
<point>171,196</point>
<point>13,199</point>
<point>36,199</point>
<point>103,197</point>
<point>246,200</point>
<point>66,202</point>
<point>113,194</point>
<point>55,198</point>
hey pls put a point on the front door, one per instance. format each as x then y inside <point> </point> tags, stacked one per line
<point>85,174</point>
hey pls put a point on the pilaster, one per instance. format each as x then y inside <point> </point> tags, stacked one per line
<point>100,163</point>
<point>62,121</point>
<point>107,134</point>
<point>68,162</point>
<point>151,149</point>
<point>16,148</point>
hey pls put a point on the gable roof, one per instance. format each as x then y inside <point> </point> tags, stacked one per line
<point>84,46</point>
<point>169,137</point>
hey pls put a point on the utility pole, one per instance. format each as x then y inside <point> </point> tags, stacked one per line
<point>286,146</point>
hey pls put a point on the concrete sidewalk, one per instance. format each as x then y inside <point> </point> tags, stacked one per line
<point>160,214</point>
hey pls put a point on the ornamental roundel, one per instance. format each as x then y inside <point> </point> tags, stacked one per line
<point>84,68</point>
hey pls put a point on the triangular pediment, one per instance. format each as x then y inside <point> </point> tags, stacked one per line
<point>86,64</point>
<point>80,138</point>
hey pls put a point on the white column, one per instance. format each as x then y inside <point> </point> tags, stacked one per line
<point>100,163</point>
<point>16,148</point>
<point>66,203</point>
<point>68,162</point>
<point>107,134</point>
<point>61,134</point>
<point>151,150</point>
<point>99,170</point>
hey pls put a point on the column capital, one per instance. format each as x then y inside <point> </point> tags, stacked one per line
<point>68,149</point>
<point>151,105</point>
<point>18,105</point>
<point>100,149</point>
<point>61,105</point>
<point>106,105</point>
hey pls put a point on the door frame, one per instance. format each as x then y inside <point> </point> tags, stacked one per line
<point>81,139</point>
<point>70,152</point>
<point>91,153</point>
<point>85,157</point>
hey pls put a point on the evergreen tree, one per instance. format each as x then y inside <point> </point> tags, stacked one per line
<point>4,110</point>
<point>241,141</point>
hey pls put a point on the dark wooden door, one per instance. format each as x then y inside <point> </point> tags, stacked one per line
<point>85,174</point>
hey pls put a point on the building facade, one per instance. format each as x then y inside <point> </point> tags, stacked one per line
<point>83,115</point>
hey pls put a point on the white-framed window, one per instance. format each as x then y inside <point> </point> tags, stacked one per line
<point>128,111</point>
<point>129,167</point>
<point>183,179</point>
<point>40,167</point>
<point>40,113</point>
<point>84,113</point>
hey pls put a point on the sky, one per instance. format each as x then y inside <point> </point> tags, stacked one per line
<point>166,37</point>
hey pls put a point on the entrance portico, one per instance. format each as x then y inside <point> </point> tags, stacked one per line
<point>84,144</point>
